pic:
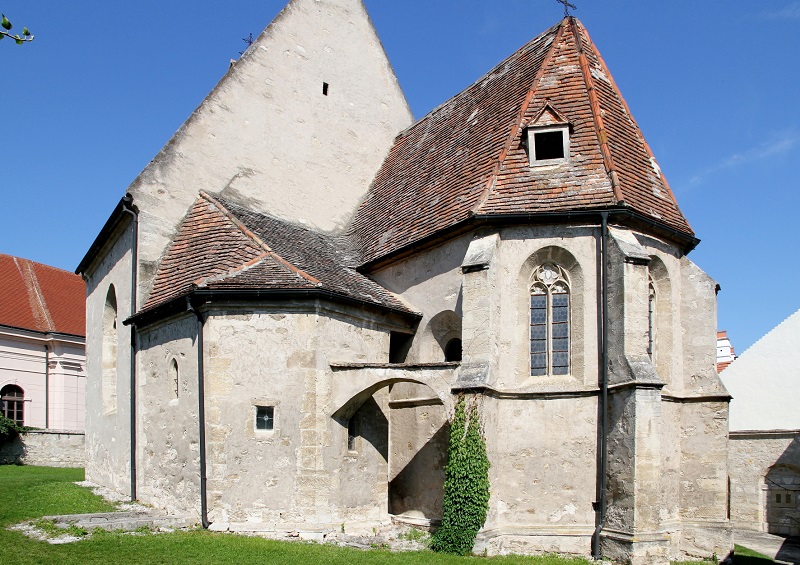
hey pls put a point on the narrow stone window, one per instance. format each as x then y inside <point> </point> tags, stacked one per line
<point>265,418</point>
<point>352,434</point>
<point>12,403</point>
<point>175,378</point>
<point>109,352</point>
<point>549,321</point>
<point>324,88</point>
<point>651,320</point>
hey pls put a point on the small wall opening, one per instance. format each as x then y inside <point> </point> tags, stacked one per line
<point>175,377</point>
<point>399,345</point>
<point>324,88</point>
<point>452,351</point>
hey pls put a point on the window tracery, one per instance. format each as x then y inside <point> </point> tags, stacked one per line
<point>550,321</point>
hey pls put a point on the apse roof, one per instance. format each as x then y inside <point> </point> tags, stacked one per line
<point>222,246</point>
<point>468,157</point>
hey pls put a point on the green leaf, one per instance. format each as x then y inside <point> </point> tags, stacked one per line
<point>18,40</point>
<point>25,32</point>
<point>5,23</point>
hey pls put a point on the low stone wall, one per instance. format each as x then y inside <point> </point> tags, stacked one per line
<point>48,448</point>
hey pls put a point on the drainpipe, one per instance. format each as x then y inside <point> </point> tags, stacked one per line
<point>603,407</point>
<point>46,387</point>
<point>127,206</point>
<point>201,412</point>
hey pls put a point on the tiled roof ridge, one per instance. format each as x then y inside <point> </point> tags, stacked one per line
<point>630,116</point>
<point>594,104</point>
<point>492,180</point>
<point>476,82</point>
<point>35,298</point>
<point>204,281</point>
<point>257,240</point>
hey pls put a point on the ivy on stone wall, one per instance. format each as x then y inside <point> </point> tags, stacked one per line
<point>466,483</point>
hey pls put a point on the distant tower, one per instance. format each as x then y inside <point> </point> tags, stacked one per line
<point>725,352</point>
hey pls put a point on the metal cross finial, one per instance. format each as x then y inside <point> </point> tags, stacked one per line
<point>567,6</point>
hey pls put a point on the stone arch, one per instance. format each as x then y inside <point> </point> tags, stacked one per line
<point>409,424</point>
<point>663,322</point>
<point>109,352</point>
<point>575,273</point>
<point>347,397</point>
<point>440,333</point>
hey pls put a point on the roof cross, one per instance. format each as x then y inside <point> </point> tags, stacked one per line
<point>567,6</point>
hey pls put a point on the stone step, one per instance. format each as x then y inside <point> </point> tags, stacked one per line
<point>127,521</point>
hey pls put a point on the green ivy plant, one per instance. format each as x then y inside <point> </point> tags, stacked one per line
<point>466,483</point>
<point>9,429</point>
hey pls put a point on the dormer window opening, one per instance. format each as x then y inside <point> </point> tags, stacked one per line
<point>548,145</point>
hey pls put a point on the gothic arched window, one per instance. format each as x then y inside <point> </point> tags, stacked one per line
<point>109,352</point>
<point>550,318</point>
<point>12,402</point>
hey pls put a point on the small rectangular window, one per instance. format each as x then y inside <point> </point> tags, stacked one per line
<point>549,145</point>
<point>324,88</point>
<point>352,434</point>
<point>784,499</point>
<point>399,345</point>
<point>265,417</point>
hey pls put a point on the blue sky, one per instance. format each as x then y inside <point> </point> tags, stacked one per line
<point>714,87</point>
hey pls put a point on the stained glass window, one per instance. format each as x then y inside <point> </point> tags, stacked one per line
<point>549,323</point>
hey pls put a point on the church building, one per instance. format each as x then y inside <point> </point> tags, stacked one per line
<point>287,302</point>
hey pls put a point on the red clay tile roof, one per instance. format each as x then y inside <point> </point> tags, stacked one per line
<point>223,246</point>
<point>41,298</point>
<point>467,157</point>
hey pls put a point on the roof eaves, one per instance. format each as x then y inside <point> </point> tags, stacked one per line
<point>686,242</point>
<point>198,297</point>
<point>114,220</point>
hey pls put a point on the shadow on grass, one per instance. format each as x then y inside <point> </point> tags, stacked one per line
<point>744,556</point>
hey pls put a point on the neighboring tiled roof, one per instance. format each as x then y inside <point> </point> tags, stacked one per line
<point>41,298</point>
<point>467,157</point>
<point>223,246</point>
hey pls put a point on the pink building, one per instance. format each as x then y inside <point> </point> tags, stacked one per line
<point>42,335</point>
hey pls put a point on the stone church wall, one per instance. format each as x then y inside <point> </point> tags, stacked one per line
<point>107,410</point>
<point>543,454</point>
<point>168,454</point>
<point>301,473</point>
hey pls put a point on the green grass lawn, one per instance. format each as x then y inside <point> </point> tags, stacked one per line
<point>27,493</point>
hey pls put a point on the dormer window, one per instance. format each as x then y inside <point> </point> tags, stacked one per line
<point>548,145</point>
<point>548,138</point>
